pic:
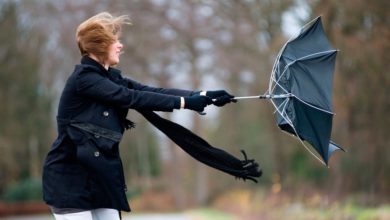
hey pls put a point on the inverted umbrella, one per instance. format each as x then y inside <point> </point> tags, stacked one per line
<point>300,89</point>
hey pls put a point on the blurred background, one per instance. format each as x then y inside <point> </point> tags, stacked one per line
<point>208,45</point>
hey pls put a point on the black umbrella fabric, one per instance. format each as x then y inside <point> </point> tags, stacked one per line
<point>304,71</point>
<point>301,87</point>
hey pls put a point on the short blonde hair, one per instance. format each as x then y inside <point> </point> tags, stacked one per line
<point>97,33</point>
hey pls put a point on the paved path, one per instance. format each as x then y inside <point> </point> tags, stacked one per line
<point>165,216</point>
<point>32,217</point>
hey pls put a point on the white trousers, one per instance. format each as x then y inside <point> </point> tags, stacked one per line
<point>96,214</point>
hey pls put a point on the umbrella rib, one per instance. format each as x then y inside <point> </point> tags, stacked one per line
<point>313,106</point>
<point>288,120</point>
<point>283,105</point>
<point>300,59</point>
<point>281,51</point>
<point>275,66</point>
<point>277,107</point>
<point>309,23</point>
<point>308,149</point>
<point>313,54</point>
<point>281,113</point>
<point>276,81</point>
<point>273,78</point>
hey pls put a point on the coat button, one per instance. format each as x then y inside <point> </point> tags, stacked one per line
<point>96,153</point>
<point>106,113</point>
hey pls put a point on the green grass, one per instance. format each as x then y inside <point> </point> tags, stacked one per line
<point>298,212</point>
<point>364,213</point>
<point>245,204</point>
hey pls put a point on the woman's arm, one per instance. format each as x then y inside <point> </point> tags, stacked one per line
<point>95,86</point>
<point>141,87</point>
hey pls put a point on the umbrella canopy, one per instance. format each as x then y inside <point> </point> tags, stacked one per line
<point>301,88</point>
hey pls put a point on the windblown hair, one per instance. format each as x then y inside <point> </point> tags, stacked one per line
<point>96,34</point>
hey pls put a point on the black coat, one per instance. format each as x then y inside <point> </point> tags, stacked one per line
<point>83,168</point>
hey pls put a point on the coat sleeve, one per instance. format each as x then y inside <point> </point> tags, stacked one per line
<point>141,87</point>
<point>95,86</point>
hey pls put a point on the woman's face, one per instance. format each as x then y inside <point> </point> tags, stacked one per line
<point>114,51</point>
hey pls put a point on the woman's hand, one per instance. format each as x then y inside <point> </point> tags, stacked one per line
<point>197,102</point>
<point>219,97</point>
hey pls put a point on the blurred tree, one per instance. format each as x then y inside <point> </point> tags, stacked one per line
<point>25,126</point>
<point>216,45</point>
<point>247,35</point>
<point>202,45</point>
<point>362,99</point>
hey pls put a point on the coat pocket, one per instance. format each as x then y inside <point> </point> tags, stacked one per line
<point>103,139</point>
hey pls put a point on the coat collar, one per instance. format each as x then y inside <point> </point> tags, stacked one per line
<point>86,60</point>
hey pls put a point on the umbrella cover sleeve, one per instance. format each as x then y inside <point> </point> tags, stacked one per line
<point>202,151</point>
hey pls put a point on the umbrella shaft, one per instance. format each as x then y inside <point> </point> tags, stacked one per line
<point>264,97</point>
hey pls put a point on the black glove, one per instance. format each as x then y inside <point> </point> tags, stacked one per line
<point>223,100</point>
<point>217,93</point>
<point>221,97</point>
<point>197,102</point>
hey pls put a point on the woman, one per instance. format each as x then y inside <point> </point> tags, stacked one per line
<point>83,174</point>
